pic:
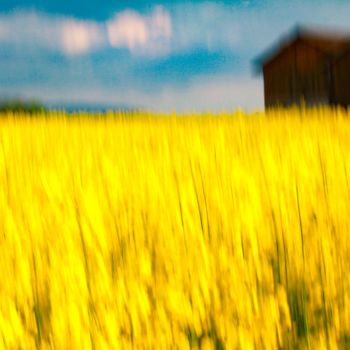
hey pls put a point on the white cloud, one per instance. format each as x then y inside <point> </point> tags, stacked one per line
<point>127,29</point>
<point>160,23</point>
<point>249,29</point>
<point>212,26</point>
<point>80,36</point>
<point>3,31</point>
<point>143,34</point>
<point>206,25</point>
<point>33,30</point>
<point>28,29</point>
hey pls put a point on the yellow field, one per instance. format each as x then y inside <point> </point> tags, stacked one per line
<point>175,232</point>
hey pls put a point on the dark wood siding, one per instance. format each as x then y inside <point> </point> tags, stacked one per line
<point>341,80</point>
<point>310,67</point>
<point>299,72</point>
<point>279,78</point>
<point>312,75</point>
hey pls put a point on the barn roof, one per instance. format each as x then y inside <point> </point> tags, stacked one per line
<point>329,42</point>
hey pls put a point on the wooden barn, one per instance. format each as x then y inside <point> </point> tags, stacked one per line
<point>309,66</point>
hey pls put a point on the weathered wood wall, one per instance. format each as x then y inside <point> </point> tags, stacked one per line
<point>312,74</point>
<point>341,79</point>
<point>279,78</point>
<point>300,71</point>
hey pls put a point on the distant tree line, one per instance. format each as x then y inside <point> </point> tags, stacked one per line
<point>21,106</point>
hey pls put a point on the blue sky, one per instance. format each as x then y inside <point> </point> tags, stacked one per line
<point>159,55</point>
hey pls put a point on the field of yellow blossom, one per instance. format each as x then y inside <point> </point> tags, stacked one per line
<point>144,231</point>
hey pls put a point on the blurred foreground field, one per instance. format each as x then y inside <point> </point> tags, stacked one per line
<point>175,232</point>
